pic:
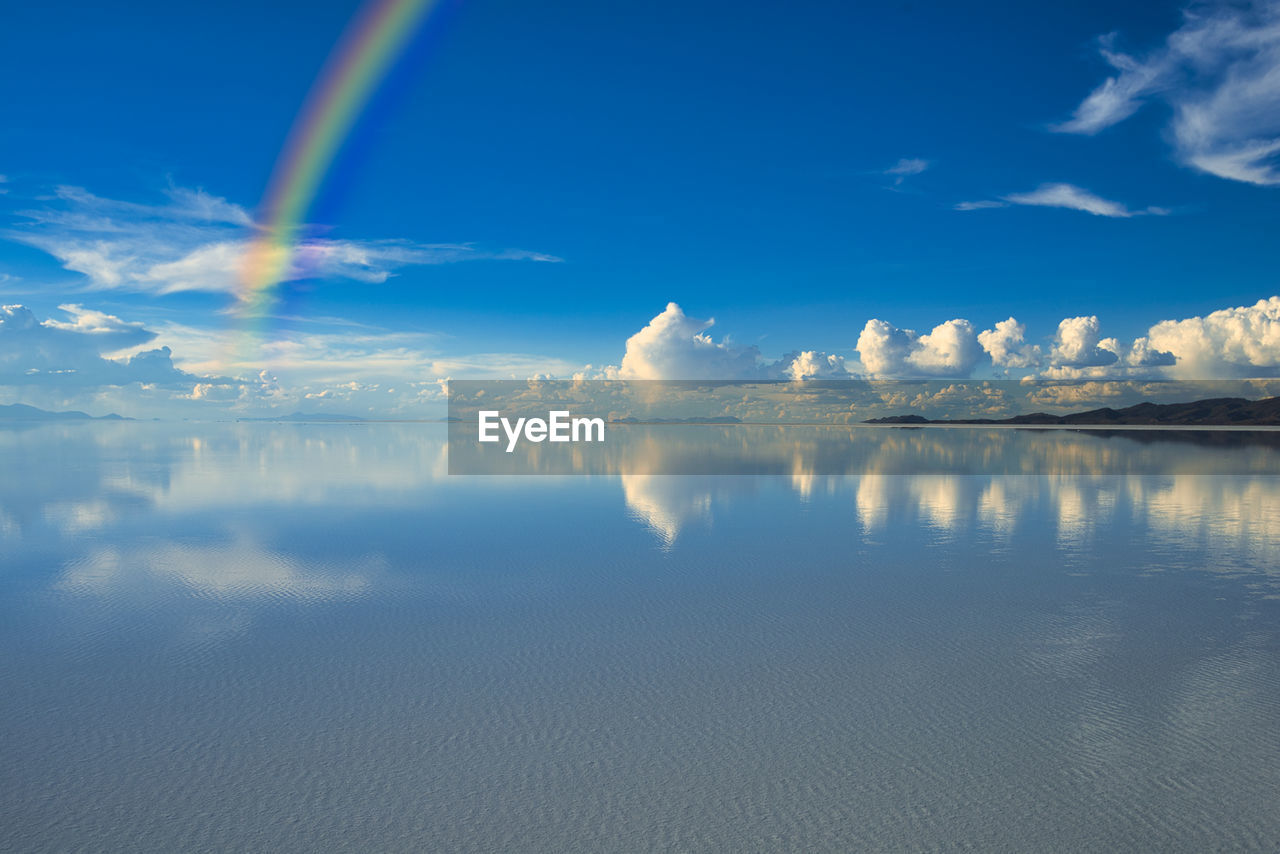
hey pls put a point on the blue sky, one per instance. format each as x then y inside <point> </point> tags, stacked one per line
<point>536,182</point>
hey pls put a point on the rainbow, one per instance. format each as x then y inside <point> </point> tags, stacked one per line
<point>369,47</point>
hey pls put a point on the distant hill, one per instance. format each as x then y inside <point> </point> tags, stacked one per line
<point>22,412</point>
<point>1215,412</point>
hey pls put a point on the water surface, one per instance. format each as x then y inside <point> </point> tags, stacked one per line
<point>303,637</point>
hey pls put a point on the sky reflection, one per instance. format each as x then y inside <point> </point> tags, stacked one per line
<point>204,505</point>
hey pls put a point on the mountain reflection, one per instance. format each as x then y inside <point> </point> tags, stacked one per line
<point>801,450</point>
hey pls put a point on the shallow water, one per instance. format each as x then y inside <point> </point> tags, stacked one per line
<point>304,637</point>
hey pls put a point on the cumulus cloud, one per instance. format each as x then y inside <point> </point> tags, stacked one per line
<point>73,353</point>
<point>675,346</point>
<point>1066,196</point>
<point>1231,342</point>
<point>1080,351</point>
<point>199,242</point>
<point>883,348</point>
<point>1220,75</point>
<point>1079,344</point>
<point>811,365</point>
<point>1007,346</point>
<point>1143,354</point>
<point>1077,350</point>
<point>949,350</point>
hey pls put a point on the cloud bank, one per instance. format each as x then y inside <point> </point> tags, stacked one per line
<point>73,354</point>
<point>90,359</point>
<point>1230,343</point>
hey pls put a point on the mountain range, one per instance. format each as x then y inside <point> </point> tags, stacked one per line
<point>1213,412</point>
<point>22,412</point>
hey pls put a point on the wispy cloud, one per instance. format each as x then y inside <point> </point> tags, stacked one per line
<point>92,360</point>
<point>1074,198</point>
<point>908,166</point>
<point>1220,73</point>
<point>197,242</point>
<point>985,204</point>
<point>905,168</point>
<point>1066,196</point>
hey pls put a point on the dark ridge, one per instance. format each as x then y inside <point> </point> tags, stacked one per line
<point>22,412</point>
<point>898,419</point>
<point>1214,412</point>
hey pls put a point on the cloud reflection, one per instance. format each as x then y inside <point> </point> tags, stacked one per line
<point>238,570</point>
<point>203,497</point>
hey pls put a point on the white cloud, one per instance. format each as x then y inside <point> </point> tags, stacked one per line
<point>674,346</point>
<point>85,211</point>
<point>216,267</point>
<point>1007,345</point>
<point>986,204</point>
<point>1142,354</point>
<point>1079,344</point>
<point>1230,342</point>
<point>905,168</point>
<point>810,364</point>
<point>199,242</point>
<point>1220,74</point>
<point>93,360</point>
<point>1077,350</point>
<point>883,348</point>
<point>1080,351</point>
<point>908,166</point>
<point>1070,197</point>
<point>950,350</point>
<point>1066,196</point>
<point>1118,97</point>
<point>108,332</point>
<point>72,354</point>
